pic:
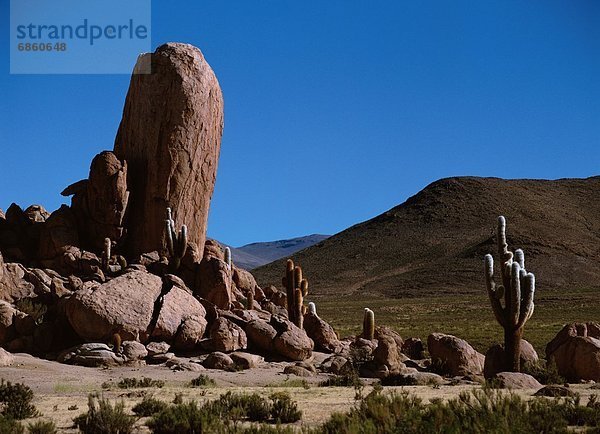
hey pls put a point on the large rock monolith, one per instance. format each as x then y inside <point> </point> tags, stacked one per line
<point>170,136</point>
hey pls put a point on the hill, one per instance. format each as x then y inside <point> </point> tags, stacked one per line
<point>434,242</point>
<point>256,254</point>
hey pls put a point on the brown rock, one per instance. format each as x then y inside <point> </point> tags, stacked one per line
<point>156,348</point>
<point>58,233</point>
<point>124,305</point>
<point>516,380</point>
<point>134,350</point>
<point>261,335</point>
<point>7,328</point>
<point>494,358</point>
<point>321,333</point>
<point>293,343</point>
<point>218,360</point>
<point>338,365</point>
<point>244,280</point>
<point>246,360</point>
<point>36,214</point>
<point>13,285</point>
<point>170,136</point>
<point>298,371</point>
<point>226,336</point>
<point>453,355</point>
<point>178,305</point>
<point>387,331</point>
<point>388,354</point>
<point>214,282</point>
<point>6,358</point>
<point>214,249</point>
<point>190,333</point>
<point>578,358</point>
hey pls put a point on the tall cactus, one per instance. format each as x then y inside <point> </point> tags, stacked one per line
<point>368,324</point>
<point>228,257</point>
<point>517,288</point>
<point>176,242</point>
<point>106,254</point>
<point>296,290</point>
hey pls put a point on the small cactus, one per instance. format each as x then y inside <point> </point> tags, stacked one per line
<point>369,324</point>
<point>106,254</point>
<point>517,289</point>
<point>176,242</point>
<point>250,298</point>
<point>296,289</point>
<point>312,309</point>
<point>122,262</point>
<point>117,343</point>
<point>228,257</point>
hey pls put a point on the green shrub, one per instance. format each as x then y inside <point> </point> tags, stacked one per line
<point>545,374</point>
<point>132,383</point>
<point>185,418</point>
<point>346,380</point>
<point>10,426</point>
<point>148,406</point>
<point>103,418</point>
<point>16,400</point>
<point>284,410</point>
<point>203,381</point>
<point>42,427</point>
<point>32,308</point>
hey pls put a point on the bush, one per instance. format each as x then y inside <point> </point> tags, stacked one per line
<point>203,381</point>
<point>16,400</point>
<point>347,380</point>
<point>32,308</point>
<point>185,418</point>
<point>42,427</point>
<point>284,409</point>
<point>149,406</point>
<point>545,374</point>
<point>131,383</point>
<point>103,418</point>
<point>479,411</point>
<point>10,426</point>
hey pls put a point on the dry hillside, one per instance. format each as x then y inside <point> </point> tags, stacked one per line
<point>435,241</point>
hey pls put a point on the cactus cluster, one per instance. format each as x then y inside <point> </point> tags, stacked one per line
<point>108,262</point>
<point>176,242</point>
<point>296,289</point>
<point>517,289</point>
<point>368,324</point>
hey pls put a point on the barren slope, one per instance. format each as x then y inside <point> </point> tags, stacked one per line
<point>435,241</point>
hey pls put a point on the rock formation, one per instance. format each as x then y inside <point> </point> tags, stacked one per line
<point>170,136</point>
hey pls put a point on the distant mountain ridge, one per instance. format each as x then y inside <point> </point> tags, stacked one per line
<point>435,241</point>
<point>256,254</point>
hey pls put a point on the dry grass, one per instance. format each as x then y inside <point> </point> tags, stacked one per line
<point>464,315</point>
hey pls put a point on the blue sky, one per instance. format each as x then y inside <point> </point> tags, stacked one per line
<point>337,111</point>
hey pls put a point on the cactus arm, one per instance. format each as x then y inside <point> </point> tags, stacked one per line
<point>298,302</point>
<point>289,286</point>
<point>514,303</point>
<point>528,284</point>
<point>520,258</point>
<point>304,287</point>
<point>493,292</point>
<point>297,276</point>
<point>182,242</point>
<point>169,231</point>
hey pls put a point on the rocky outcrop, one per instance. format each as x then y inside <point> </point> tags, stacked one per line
<point>225,336</point>
<point>322,334</point>
<point>170,136</point>
<point>91,355</point>
<point>516,380</point>
<point>215,282</point>
<point>13,285</point>
<point>576,351</point>
<point>454,356</point>
<point>124,305</point>
<point>100,201</point>
<point>279,336</point>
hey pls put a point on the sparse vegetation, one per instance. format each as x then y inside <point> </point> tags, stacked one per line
<point>545,374</point>
<point>103,418</point>
<point>10,426</point>
<point>149,406</point>
<point>42,427</point>
<point>292,382</point>
<point>134,383</point>
<point>32,308</point>
<point>203,380</point>
<point>15,401</point>
<point>348,380</point>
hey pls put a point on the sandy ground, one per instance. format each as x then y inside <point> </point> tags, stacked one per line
<point>61,391</point>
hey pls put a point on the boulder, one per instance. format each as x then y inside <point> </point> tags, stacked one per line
<point>516,380</point>
<point>36,214</point>
<point>591,329</point>
<point>246,360</point>
<point>214,249</point>
<point>388,354</point>
<point>578,358</point>
<point>299,371</point>
<point>337,365</point>
<point>134,350</point>
<point>323,335</point>
<point>293,343</point>
<point>6,358</point>
<point>13,285</point>
<point>244,280</point>
<point>156,348</point>
<point>214,282</point>
<point>177,305</point>
<point>124,305</point>
<point>58,233</point>
<point>218,360</point>
<point>261,335</point>
<point>190,333</point>
<point>408,377</point>
<point>91,355</point>
<point>494,358</point>
<point>7,328</point>
<point>170,135</point>
<point>225,336</point>
<point>454,356</point>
